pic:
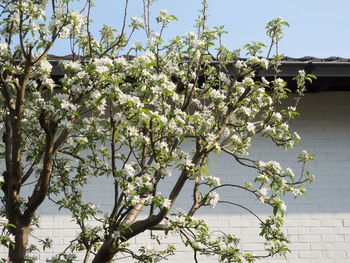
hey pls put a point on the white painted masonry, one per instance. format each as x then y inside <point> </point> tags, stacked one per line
<point>317,224</point>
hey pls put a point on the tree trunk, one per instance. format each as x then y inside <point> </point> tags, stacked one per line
<point>18,252</point>
<point>105,254</point>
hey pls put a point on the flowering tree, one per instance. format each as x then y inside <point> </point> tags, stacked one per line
<point>128,119</point>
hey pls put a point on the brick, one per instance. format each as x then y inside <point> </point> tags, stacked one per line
<point>321,230</point>
<point>299,246</point>
<point>219,223</point>
<point>298,230</point>
<point>321,246</point>
<point>301,261</point>
<point>293,238</point>
<point>250,231</point>
<point>304,223</point>
<point>341,246</point>
<point>240,223</point>
<point>341,230</point>
<point>327,254</point>
<point>43,232</point>
<point>309,238</point>
<point>337,255</point>
<point>58,241</point>
<point>331,222</point>
<point>253,247</point>
<point>50,224</point>
<point>310,254</point>
<point>63,233</point>
<point>333,238</point>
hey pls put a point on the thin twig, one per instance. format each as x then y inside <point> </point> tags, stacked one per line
<point>241,206</point>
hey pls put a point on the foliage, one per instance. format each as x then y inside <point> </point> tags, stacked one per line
<point>128,119</point>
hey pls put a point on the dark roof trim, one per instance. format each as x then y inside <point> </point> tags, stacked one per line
<point>333,74</point>
<point>327,67</point>
<point>319,69</point>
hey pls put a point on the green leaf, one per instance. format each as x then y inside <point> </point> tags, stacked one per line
<point>285,23</point>
<point>275,209</point>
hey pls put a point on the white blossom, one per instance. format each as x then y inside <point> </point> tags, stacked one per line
<point>283,182</point>
<point>274,165</point>
<point>263,192</point>
<point>214,180</point>
<point>261,165</point>
<point>82,139</point>
<point>277,116</point>
<point>223,77</point>
<point>263,177</point>
<point>240,64</point>
<point>289,172</point>
<point>3,48</point>
<point>236,138</point>
<point>188,163</point>
<point>75,65</point>
<point>102,64</point>
<point>15,17</point>
<point>163,13</point>
<point>116,234</point>
<point>296,135</point>
<point>137,45</point>
<point>279,83</point>
<point>156,166</point>
<point>129,169</point>
<point>301,72</point>
<point>217,94</point>
<point>265,63</point>
<point>266,82</point>
<point>136,200</point>
<point>45,66</point>
<point>211,138</point>
<point>167,203</point>
<point>93,206</point>
<point>296,191</point>
<point>190,35</point>
<point>283,206</point>
<point>246,110</point>
<point>248,81</point>
<point>148,199</point>
<point>153,37</point>
<point>138,181</point>
<point>251,127</point>
<point>133,131</point>
<point>137,22</point>
<point>214,198</point>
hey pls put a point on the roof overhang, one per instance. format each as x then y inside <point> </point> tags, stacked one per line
<point>333,74</point>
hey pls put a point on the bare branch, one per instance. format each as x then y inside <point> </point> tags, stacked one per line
<point>88,27</point>
<point>121,33</point>
<point>239,159</point>
<point>31,168</point>
<point>241,206</point>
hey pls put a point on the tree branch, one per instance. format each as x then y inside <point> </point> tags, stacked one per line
<point>121,33</point>
<point>241,206</point>
<point>31,168</point>
<point>41,187</point>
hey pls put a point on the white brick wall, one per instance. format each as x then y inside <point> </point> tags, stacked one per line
<point>317,224</point>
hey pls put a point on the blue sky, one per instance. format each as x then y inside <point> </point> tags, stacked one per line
<point>319,28</point>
